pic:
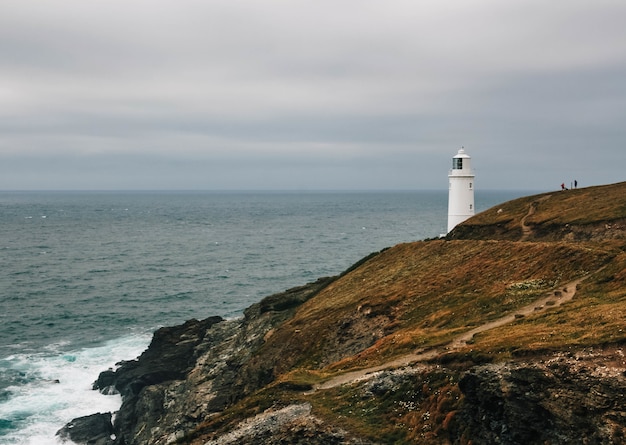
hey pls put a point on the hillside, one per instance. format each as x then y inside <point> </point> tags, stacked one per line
<point>510,330</point>
<point>586,214</point>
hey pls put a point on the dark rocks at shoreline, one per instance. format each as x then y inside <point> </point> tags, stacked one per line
<point>170,356</point>
<point>191,371</point>
<point>95,429</point>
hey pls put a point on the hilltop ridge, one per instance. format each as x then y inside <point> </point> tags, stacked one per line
<point>585,214</point>
<point>496,334</point>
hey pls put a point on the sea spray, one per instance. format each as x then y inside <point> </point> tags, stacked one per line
<point>51,388</point>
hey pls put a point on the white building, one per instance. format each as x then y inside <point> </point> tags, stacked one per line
<point>461,190</point>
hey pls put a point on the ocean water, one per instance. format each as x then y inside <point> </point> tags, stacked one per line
<point>86,277</point>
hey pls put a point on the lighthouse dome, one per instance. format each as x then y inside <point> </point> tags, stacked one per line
<point>461,154</point>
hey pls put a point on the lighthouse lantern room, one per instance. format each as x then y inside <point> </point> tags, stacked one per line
<point>461,189</point>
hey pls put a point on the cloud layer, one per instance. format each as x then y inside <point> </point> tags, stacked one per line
<point>309,94</point>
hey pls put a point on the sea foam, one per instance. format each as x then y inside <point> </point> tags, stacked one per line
<point>52,388</point>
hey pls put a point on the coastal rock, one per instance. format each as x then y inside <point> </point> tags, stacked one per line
<point>95,429</point>
<point>191,371</point>
<point>293,425</point>
<point>169,356</point>
<point>572,400</point>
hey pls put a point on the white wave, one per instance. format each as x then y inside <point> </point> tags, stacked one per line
<point>58,389</point>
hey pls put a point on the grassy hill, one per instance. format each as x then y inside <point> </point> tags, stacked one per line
<point>421,296</point>
<point>592,213</point>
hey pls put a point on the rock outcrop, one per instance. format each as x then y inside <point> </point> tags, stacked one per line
<point>293,424</point>
<point>95,429</point>
<point>567,399</point>
<point>192,371</point>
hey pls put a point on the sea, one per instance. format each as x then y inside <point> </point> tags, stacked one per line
<point>86,277</point>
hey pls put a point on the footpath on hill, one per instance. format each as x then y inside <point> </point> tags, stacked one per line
<point>553,299</point>
<point>527,230</point>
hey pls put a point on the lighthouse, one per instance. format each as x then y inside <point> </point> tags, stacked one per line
<point>461,189</point>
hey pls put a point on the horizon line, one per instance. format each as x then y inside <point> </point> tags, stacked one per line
<point>261,190</point>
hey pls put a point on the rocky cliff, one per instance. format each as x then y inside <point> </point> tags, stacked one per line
<point>509,331</point>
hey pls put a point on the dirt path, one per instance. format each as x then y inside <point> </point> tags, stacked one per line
<point>526,229</point>
<point>553,299</point>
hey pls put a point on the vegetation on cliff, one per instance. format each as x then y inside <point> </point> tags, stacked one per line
<point>496,333</point>
<point>421,295</point>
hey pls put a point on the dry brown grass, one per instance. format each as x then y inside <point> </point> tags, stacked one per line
<point>595,317</point>
<point>553,215</point>
<point>423,294</point>
<point>579,206</point>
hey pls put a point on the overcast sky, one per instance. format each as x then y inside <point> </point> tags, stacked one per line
<point>291,94</point>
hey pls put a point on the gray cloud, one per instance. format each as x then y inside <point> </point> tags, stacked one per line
<point>309,94</point>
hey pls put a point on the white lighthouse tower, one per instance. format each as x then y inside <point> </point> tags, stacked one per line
<point>461,189</point>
